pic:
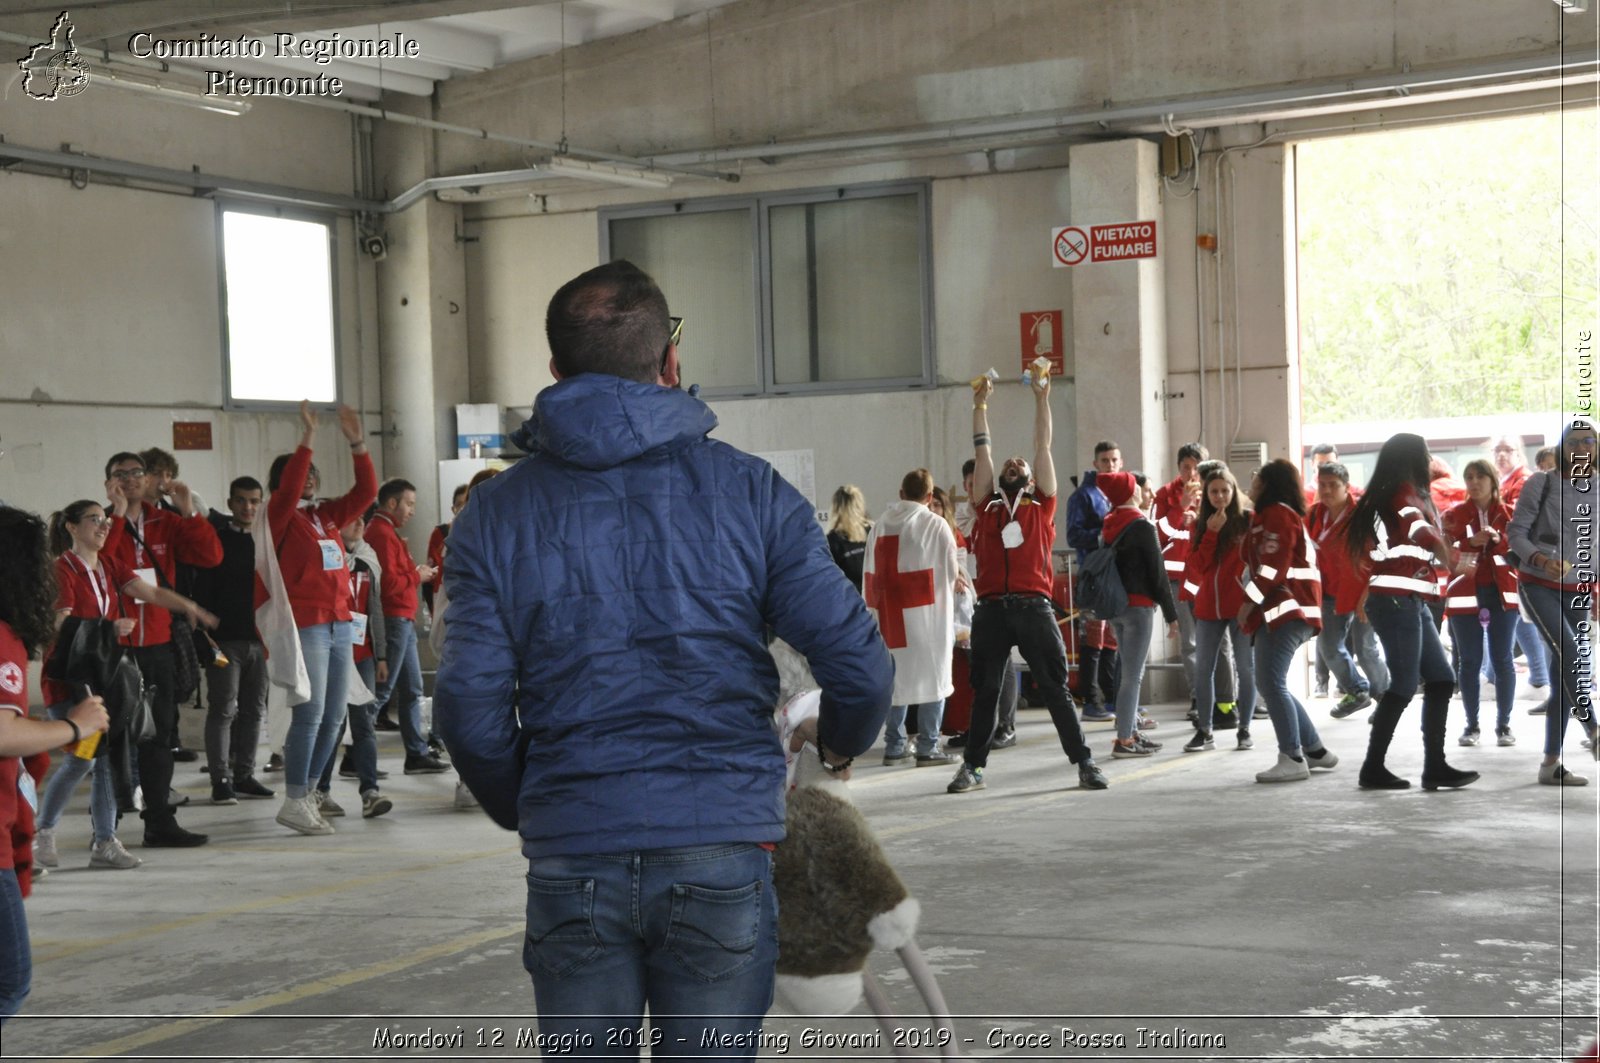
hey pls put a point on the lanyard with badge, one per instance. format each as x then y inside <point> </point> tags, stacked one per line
<point>97,583</point>
<point>332,552</point>
<point>1011,534</point>
<point>143,571</point>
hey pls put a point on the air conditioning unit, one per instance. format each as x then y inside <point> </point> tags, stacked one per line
<point>1245,458</point>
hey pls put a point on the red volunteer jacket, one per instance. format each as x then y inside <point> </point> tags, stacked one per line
<point>1460,524</point>
<point>319,593</point>
<point>1342,583</point>
<point>400,579</point>
<point>1402,556</point>
<point>1284,583</point>
<point>170,539</point>
<point>85,594</point>
<point>1213,579</point>
<point>1168,513</point>
<point>1511,486</point>
<point>1022,570</point>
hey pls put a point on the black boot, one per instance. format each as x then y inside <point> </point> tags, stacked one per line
<point>1435,712</point>
<point>1374,776</point>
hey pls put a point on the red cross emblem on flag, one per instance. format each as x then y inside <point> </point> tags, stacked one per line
<point>891,592</point>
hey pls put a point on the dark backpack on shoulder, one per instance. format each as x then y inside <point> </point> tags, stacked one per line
<point>1100,593</point>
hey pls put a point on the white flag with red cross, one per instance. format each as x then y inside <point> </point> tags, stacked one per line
<point>909,583</point>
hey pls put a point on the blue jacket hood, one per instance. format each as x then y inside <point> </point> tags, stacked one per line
<point>598,421</point>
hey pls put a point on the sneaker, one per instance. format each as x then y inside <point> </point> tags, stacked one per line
<point>327,807</point>
<point>1123,750</point>
<point>464,798</point>
<point>248,786</point>
<point>1557,775</point>
<point>1286,770</point>
<point>1469,737</point>
<point>1223,717</point>
<point>1539,709</point>
<point>1146,722</point>
<point>347,770</point>
<point>384,722</point>
<point>1201,742</point>
<point>1145,743</point>
<point>1323,760</point>
<point>222,792</point>
<point>1245,741</point>
<point>889,759</point>
<point>436,748</point>
<point>939,757</point>
<point>1504,737</point>
<point>1098,712</point>
<point>426,765</point>
<point>110,853</point>
<point>956,741</point>
<point>44,849</point>
<point>374,804</point>
<point>274,763</point>
<point>300,814</point>
<point>1002,740</point>
<point>176,800</point>
<point>967,778</point>
<point>185,756</point>
<point>1350,704</point>
<point>169,835</point>
<point>1090,777</point>
<point>1320,690</point>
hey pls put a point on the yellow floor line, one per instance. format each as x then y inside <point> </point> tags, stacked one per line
<point>48,952</point>
<point>169,1030</point>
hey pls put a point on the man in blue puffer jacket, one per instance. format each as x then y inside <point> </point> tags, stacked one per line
<point>606,690</point>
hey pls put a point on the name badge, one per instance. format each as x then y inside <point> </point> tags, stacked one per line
<point>148,575</point>
<point>332,555</point>
<point>1011,535</point>
<point>358,629</point>
<point>27,788</point>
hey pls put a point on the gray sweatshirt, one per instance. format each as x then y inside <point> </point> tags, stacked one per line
<point>1563,526</point>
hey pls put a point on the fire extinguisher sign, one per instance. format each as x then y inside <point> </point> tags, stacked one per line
<point>1041,338</point>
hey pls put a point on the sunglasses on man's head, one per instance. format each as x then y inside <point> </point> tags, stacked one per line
<point>676,333</point>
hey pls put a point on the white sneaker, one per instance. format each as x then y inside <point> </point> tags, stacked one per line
<point>110,853</point>
<point>44,849</point>
<point>1557,775</point>
<point>464,798</point>
<point>1324,762</point>
<point>1286,770</point>
<point>300,814</point>
<point>327,807</point>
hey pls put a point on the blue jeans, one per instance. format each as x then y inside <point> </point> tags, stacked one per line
<point>1133,630</point>
<point>1274,652</point>
<point>1411,645</point>
<point>363,738</point>
<point>1534,651</point>
<point>1568,633</point>
<point>315,724</point>
<point>690,933</point>
<point>1373,675</point>
<point>58,791</point>
<point>16,961</point>
<point>930,715</point>
<point>1468,636</point>
<point>404,685</point>
<point>1209,636</point>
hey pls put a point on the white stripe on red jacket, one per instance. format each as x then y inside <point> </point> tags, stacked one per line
<point>1461,523</point>
<point>1402,556</point>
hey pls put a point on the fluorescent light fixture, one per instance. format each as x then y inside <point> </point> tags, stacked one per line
<point>173,92</point>
<point>606,173</point>
<point>1574,7</point>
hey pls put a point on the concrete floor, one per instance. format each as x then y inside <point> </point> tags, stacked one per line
<point>1308,920</point>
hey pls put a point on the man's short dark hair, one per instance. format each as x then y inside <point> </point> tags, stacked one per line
<point>1103,446</point>
<point>459,493</point>
<point>613,320</point>
<point>1324,448</point>
<point>1334,468</point>
<point>394,489</point>
<point>157,460</point>
<point>968,466</point>
<point>120,457</point>
<point>243,483</point>
<point>1197,451</point>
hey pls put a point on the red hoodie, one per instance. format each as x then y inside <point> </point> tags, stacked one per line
<point>318,584</point>
<point>168,539</point>
<point>400,580</point>
<point>1212,578</point>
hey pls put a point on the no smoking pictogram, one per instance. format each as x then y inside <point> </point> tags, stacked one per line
<point>1069,246</point>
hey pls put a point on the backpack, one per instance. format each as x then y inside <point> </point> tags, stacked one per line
<point>1100,594</point>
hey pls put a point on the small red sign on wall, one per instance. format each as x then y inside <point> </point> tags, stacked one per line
<point>1041,338</point>
<point>191,435</point>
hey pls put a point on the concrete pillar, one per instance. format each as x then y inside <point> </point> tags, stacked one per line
<point>421,323</point>
<point>1119,334</point>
